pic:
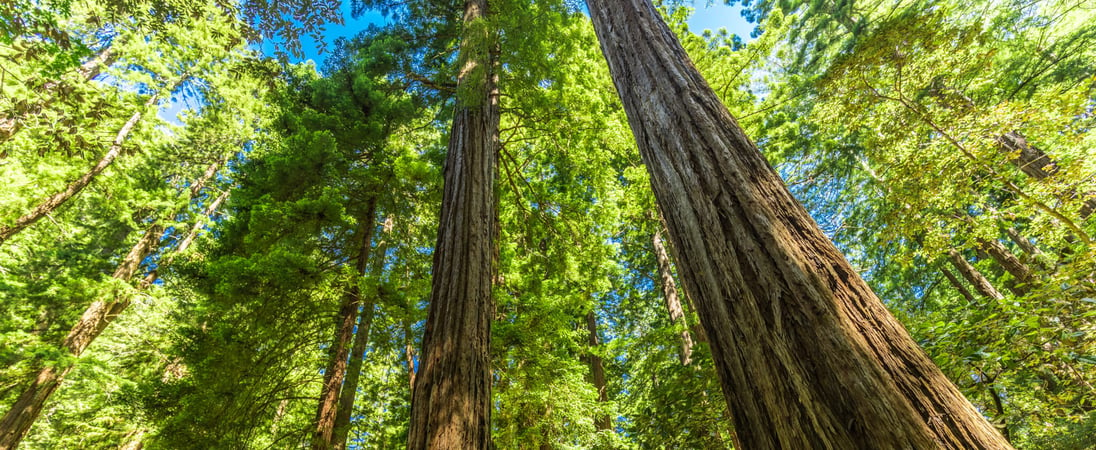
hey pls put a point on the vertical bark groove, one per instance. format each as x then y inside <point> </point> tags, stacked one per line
<point>451,401</point>
<point>597,371</point>
<point>807,355</point>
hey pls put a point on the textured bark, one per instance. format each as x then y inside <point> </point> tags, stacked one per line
<point>1035,163</point>
<point>323,436</point>
<point>18,420</point>
<point>597,372</point>
<point>73,188</point>
<point>958,285</point>
<point>973,276</point>
<point>1023,242</point>
<point>1023,275</point>
<point>807,355</point>
<point>451,402</point>
<point>357,353</point>
<point>673,303</point>
<point>53,90</point>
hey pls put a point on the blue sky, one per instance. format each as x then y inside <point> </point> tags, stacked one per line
<point>711,17</point>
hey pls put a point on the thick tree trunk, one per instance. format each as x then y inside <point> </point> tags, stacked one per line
<point>973,276</point>
<point>597,372</point>
<point>357,353</point>
<point>18,420</point>
<point>323,436</point>
<point>73,188</point>
<point>673,303</point>
<point>451,402</point>
<point>807,355</point>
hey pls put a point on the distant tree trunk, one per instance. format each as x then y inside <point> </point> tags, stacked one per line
<point>73,188</point>
<point>1035,163</point>
<point>357,353</point>
<point>673,303</point>
<point>323,436</point>
<point>18,420</point>
<point>973,276</point>
<point>134,440</point>
<point>1023,275</point>
<point>807,355</point>
<point>451,402</point>
<point>958,285</point>
<point>597,372</point>
<point>1023,242</point>
<point>87,71</point>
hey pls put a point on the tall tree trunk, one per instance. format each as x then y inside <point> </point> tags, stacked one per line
<point>323,436</point>
<point>73,188</point>
<point>807,355</point>
<point>1023,275</point>
<point>1035,163</point>
<point>87,71</point>
<point>451,402</point>
<point>597,372</point>
<point>18,420</point>
<point>958,285</point>
<point>357,353</point>
<point>1026,245</point>
<point>973,276</point>
<point>673,303</point>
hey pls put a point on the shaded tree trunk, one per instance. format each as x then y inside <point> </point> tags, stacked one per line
<point>1023,275</point>
<point>53,202</point>
<point>973,276</point>
<point>597,371</point>
<point>958,285</point>
<point>1023,242</point>
<point>357,353</point>
<point>673,303</point>
<point>451,401</point>
<point>323,436</point>
<point>1035,163</point>
<point>807,355</point>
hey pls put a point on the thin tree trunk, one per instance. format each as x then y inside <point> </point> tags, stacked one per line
<point>597,372</point>
<point>1023,242</point>
<point>87,71</point>
<point>18,420</point>
<point>451,402</point>
<point>973,276</point>
<point>1024,277</point>
<point>73,188</point>
<point>958,285</point>
<point>357,353</point>
<point>323,436</point>
<point>807,355</point>
<point>673,303</point>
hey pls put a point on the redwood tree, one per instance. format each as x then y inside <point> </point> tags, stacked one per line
<point>451,402</point>
<point>807,355</point>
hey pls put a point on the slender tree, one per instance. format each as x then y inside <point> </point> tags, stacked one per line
<point>807,355</point>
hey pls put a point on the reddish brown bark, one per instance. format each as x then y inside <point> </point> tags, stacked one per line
<point>673,303</point>
<point>323,436</point>
<point>357,353</point>
<point>973,276</point>
<point>807,355</point>
<point>597,372</point>
<point>451,402</point>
